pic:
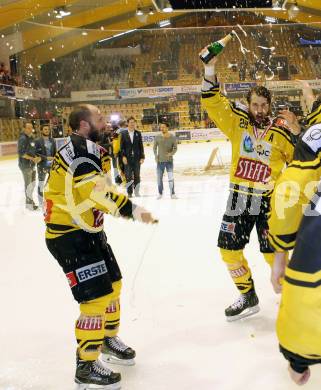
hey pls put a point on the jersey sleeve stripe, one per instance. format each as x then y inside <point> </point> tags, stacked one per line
<point>86,177</point>
<point>315,164</point>
<point>302,283</point>
<point>280,245</point>
<point>313,115</point>
<point>240,113</point>
<point>303,275</point>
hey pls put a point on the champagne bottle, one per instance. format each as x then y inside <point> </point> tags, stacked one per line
<point>215,48</point>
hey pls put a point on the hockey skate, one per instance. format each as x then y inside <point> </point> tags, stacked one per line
<point>245,306</point>
<point>93,375</point>
<point>116,352</point>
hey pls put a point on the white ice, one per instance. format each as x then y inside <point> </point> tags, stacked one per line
<point>175,289</point>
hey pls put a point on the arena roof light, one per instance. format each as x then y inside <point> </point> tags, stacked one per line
<point>164,23</point>
<point>168,8</point>
<point>118,35</point>
<point>270,19</point>
<point>61,12</point>
<point>214,5</point>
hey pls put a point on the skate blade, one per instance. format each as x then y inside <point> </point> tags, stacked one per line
<point>86,386</point>
<point>247,313</point>
<point>111,359</point>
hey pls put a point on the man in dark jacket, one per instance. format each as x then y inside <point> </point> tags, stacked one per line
<point>132,152</point>
<point>45,149</point>
<point>27,163</point>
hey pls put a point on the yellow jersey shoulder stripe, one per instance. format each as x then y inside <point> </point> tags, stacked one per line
<point>86,177</point>
<point>283,133</point>
<point>240,113</point>
<point>312,116</point>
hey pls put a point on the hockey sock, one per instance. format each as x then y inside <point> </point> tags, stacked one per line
<point>112,315</point>
<point>239,269</point>
<point>89,327</point>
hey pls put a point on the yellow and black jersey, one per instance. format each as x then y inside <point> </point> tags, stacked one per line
<point>299,319</point>
<point>116,144</point>
<point>258,155</point>
<point>79,191</point>
<point>294,189</point>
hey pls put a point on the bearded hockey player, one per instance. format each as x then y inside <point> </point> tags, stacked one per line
<point>77,195</point>
<point>261,147</point>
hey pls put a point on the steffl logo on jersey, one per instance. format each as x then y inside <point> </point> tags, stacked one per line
<point>253,170</point>
<point>248,144</point>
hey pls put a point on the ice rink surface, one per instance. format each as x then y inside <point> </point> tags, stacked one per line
<point>175,289</point>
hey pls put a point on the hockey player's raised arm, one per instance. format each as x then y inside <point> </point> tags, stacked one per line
<point>219,108</point>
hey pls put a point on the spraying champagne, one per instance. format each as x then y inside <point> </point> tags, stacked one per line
<point>215,48</point>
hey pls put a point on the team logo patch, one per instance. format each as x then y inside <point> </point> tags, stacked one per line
<point>252,170</point>
<point>90,323</point>
<point>93,148</point>
<point>228,227</point>
<point>68,153</point>
<point>91,271</point>
<point>262,151</point>
<point>237,273</point>
<point>312,137</point>
<point>72,280</point>
<point>258,150</point>
<point>248,144</point>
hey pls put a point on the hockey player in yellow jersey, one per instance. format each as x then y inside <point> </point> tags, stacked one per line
<point>299,319</point>
<point>293,192</point>
<point>261,147</point>
<point>77,195</point>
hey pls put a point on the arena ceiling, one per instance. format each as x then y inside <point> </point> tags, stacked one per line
<point>31,26</point>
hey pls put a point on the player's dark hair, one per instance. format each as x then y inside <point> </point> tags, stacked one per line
<point>259,90</point>
<point>78,114</point>
<point>165,123</point>
<point>130,119</point>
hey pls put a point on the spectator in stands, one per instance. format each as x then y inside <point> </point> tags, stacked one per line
<point>133,156</point>
<point>315,58</point>
<point>165,146</point>
<point>27,163</point>
<point>131,83</point>
<point>45,149</point>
